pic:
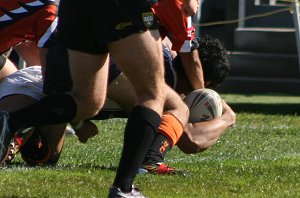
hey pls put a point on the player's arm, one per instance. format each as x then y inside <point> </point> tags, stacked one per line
<point>6,67</point>
<point>193,68</point>
<point>200,136</point>
<point>190,7</point>
<point>166,41</point>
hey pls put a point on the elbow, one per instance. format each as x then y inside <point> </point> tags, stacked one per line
<point>190,146</point>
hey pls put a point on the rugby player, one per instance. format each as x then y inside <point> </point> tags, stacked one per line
<point>196,138</point>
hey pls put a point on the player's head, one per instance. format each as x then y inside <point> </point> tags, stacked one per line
<point>214,60</point>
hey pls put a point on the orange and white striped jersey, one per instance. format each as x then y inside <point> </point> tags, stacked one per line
<point>22,20</point>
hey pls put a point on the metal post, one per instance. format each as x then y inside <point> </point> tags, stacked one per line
<point>297,26</point>
<point>242,13</point>
<point>273,2</point>
<point>196,19</point>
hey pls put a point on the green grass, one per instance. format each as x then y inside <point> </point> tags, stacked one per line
<point>258,157</point>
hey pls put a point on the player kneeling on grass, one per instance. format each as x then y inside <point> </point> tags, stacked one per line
<point>199,136</point>
<point>37,145</point>
<point>40,145</point>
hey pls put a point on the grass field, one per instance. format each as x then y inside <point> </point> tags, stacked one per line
<point>258,157</point>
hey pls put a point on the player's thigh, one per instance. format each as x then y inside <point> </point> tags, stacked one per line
<point>121,91</point>
<point>89,75</point>
<point>139,57</point>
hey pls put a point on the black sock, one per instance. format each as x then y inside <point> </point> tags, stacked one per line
<point>52,109</point>
<point>140,130</point>
<point>158,150</point>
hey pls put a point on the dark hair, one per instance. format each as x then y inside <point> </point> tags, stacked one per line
<point>214,60</point>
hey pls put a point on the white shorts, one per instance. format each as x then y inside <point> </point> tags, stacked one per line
<point>27,81</point>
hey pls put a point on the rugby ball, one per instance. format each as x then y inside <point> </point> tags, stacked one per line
<point>204,104</point>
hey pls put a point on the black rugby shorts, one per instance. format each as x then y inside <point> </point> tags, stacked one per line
<point>89,25</point>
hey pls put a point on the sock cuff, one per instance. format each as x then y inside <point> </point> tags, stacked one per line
<point>147,114</point>
<point>171,127</point>
<point>65,100</point>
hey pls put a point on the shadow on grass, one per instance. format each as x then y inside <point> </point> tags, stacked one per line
<point>62,166</point>
<point>272,109</point>
<point>88,166</point>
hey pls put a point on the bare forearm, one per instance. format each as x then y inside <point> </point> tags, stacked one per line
<point>202,135</point>
<point>209,130</point>
<point>190,7</point>
<point>193,69</point>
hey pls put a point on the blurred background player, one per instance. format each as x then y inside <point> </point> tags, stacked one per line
<point>26,26</point>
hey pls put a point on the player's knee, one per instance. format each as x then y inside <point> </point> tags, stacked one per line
<point>151,98</point>
<point>181,111</point>
<point>90,108</point>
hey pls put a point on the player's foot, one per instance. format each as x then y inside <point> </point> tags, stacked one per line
<point>161,169</point>
<point>115,192</point>
<point>20,138</point>
<point>69,131</point>
<point>84,130</point>
<point>13,148</point>
<point>5,136</point>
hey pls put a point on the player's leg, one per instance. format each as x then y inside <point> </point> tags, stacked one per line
<point>163,142</point>
<point>147,78</point>
<point>170,131</point>
<point>166,137</point>
<point>146,73</point>
<point>144,118</point>
<point>61,82</point>
<point>89,94</point>
<point>6,67</point>
<point>121,91</point>
<point>85,100</point>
